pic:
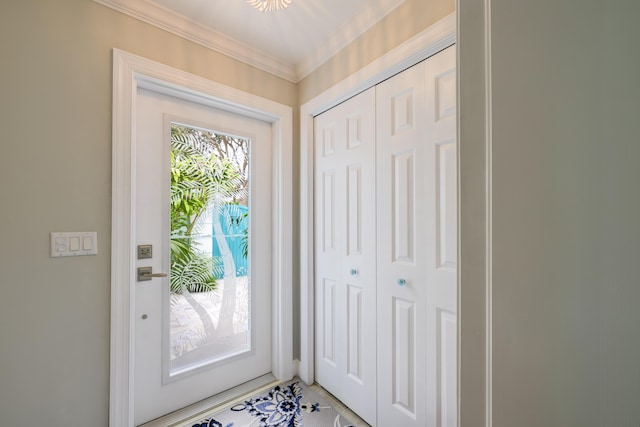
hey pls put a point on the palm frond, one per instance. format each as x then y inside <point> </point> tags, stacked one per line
<point>193,273</point>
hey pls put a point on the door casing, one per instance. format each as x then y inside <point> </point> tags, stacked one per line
<point>131,72</point>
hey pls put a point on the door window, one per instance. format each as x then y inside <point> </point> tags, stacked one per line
<point>209,248</point>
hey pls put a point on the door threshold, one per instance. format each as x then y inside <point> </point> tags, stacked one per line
<point>201,408</point>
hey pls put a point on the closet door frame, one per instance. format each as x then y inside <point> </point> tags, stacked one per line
<point>432,40</point>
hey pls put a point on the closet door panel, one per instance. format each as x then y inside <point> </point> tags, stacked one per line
<point>417,245</point>
<point>441,261</point>
<point>345,222</point>
<point>401,249</point>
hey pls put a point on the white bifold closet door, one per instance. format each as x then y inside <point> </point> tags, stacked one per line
<point>386,233</point>
<point>345,247</point>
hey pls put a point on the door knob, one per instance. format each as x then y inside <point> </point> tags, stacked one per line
<point>402,282</point>
<point>354,271</point>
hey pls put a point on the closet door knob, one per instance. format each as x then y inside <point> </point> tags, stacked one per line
<point>402,282</point>
<point>354,272</point>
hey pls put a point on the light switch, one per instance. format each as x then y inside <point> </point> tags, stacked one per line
<point>74,243</point>
<point>60,244</point>
<point>87,243</point>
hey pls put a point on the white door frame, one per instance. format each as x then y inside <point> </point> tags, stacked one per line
<point>129,73</point>
<point>432,40</point>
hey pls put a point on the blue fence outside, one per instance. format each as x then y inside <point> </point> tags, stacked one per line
<point>234,221</point>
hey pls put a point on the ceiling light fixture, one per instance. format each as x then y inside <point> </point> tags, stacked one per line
<point>269,5</point>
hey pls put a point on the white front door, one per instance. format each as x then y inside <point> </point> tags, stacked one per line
<point>417,235</point>
<point>345,228</point>
<point>194,338</point>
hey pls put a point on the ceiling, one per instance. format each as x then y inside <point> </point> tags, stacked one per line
<point>289,43</point>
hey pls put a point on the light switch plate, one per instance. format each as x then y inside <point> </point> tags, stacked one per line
<point>75,243</point>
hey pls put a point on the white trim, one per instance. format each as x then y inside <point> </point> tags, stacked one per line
<point>180,25</point>
<point>437,37</point>
<point>130,72</point>
<point>189,29</point>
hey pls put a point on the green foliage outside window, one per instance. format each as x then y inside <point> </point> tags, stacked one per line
<point>200,180</point>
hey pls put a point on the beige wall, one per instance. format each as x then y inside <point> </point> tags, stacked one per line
<point>404,22</point>
<point>565,204</point>
<point>55,170</point>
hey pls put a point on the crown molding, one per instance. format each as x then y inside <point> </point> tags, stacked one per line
<point>168,20</point>
<point>347,33</point>
<point>151,13</point>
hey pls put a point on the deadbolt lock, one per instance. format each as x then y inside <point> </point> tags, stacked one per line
<point>145,251</point>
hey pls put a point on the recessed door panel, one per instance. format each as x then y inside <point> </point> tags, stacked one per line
<point>328,214</point>
<point>447,379</point>
<point>354,339</point>
<point>404,363</point>
<point>329,140</point>
<point>328,328</point>
<point>354,206</point>
<point>403,206</point>
<point>402,111</point>
<point>445,94</point>
<point>446,208</point>
<point>354,131</point>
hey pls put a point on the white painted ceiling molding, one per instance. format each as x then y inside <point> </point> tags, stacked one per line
<point>340,39</point>
<point>168,20</point>
<point>292,70</point>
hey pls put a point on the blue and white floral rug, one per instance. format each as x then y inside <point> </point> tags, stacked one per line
<point>287,405</point>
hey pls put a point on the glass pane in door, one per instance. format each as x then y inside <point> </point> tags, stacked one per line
<point>209,302</point>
